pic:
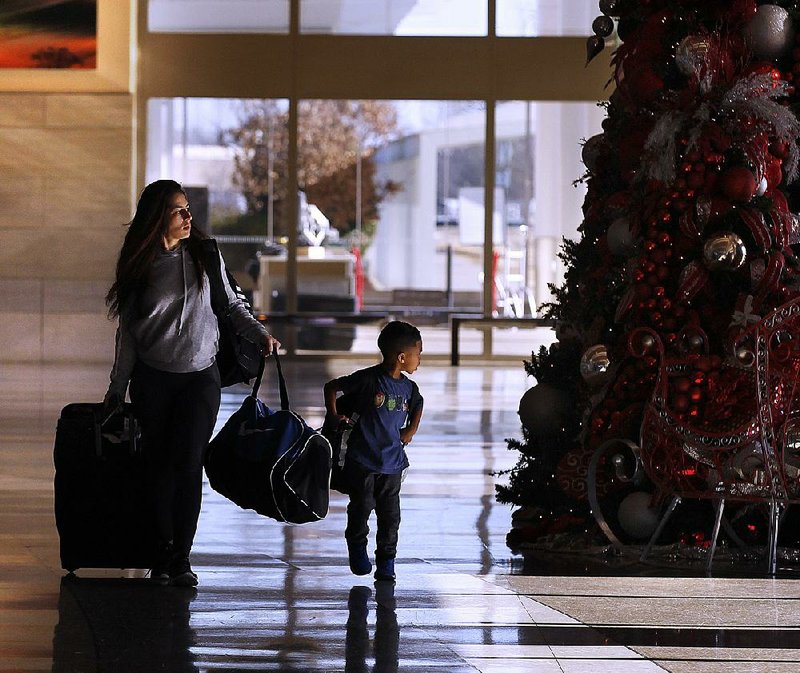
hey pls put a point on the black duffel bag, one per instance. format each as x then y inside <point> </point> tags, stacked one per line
<point>271,461</point>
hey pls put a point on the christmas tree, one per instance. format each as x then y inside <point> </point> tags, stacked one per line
<point>677,320</point>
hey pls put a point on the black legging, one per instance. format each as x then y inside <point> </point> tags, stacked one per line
<point>177,413</point>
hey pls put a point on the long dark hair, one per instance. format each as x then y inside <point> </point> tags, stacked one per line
<point>144,241</point>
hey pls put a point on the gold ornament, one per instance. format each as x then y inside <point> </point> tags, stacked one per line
<point>724,251</point>
<point>595,365</point>
<point>745,357</point>
<point>692,55</point>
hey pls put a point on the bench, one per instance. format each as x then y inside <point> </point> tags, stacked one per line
<point>456,321</point>
<point>422,298</point>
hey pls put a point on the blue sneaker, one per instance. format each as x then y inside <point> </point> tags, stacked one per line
<point>384,569</point>
<point>359,561</point>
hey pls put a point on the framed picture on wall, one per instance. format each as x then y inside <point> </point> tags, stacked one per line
<point>48,34</point>
<point>68,46</point>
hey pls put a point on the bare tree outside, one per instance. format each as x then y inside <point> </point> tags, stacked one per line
<point>337,141</point>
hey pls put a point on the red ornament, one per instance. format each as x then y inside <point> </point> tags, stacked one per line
<point>643,84</point>
<point>682,384</point>
<point>738,184</point>
<point>696,180</point>
<point>720,206</point>
<point>781,149</point>
<point>681,402</point>
<point>774,174</point>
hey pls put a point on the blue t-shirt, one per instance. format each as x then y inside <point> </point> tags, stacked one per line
<point>383,405</point>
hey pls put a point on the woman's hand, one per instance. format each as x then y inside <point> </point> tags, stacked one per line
<point>271,345</point>
<point>111,402</point>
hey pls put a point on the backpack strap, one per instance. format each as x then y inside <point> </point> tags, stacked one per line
<point>219,298</point>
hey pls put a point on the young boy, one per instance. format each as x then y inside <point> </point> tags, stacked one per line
<point>389,409</point>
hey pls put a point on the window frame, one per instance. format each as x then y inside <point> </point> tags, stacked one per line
<point>312,66</point>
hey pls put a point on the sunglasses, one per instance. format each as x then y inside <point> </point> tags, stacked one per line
<point>183,212</point>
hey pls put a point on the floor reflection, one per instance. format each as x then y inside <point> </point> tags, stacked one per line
<point>280,598</point>
<point>386,642</point>
<point>123,625</point>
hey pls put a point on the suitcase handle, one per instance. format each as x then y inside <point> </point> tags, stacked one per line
<point>281,380</point>
<point>103,416</point>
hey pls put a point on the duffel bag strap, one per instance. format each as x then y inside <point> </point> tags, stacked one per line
<point>281,380</point>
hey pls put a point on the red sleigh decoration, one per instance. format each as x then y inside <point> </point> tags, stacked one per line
<point>746,444</point>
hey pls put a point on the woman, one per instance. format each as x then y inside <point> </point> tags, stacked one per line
<point>165,348</point>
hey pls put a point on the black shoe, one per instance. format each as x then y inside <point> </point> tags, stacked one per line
<point>160,574</point>
<point>181,573</point>
<point>161,564</point>
<point>384,569</point>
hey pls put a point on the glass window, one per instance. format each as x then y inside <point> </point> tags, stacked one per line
<point>218,16</point>
<point>230,156</point>
<point>394,17</point>
<point>398,185</point>
<point>531,18</point>
<point>538,159</point>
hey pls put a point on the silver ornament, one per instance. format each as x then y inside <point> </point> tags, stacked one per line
<point>636,517</point>
<point>724,251</point>
<point>762,187</point>
<point>543,408</point>
<point>771,32</point>
<point>595,365</point>
<point>609,7</point>
<point>603,26</point>
<point>619,238</point>
<point>694,343</point>
<point>590,153</point>
<point>791,449</point>
<point>647,343</point>
<point>747,465</point>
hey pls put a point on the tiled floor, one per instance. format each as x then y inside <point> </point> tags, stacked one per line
<point>280,598</point>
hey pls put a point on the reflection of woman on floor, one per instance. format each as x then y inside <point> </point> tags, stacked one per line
<point>386,644</point>
<point>121,626</point>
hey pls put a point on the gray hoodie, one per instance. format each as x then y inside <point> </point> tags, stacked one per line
<point>170,326</point>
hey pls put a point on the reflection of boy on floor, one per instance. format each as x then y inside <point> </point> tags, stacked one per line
<point>389,409</point>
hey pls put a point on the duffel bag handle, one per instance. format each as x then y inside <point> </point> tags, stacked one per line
<point>281,380</point>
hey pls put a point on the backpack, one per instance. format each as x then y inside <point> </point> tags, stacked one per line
<point>338,434</point>
<point>238,358</point>
<point>271,461</point>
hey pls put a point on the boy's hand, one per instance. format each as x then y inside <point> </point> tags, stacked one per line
<point>406,435</point>
<point>336,419</point>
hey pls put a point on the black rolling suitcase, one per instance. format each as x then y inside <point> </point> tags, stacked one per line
<point>101,506</point>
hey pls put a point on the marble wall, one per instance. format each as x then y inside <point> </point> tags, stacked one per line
<point>65,193</point>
